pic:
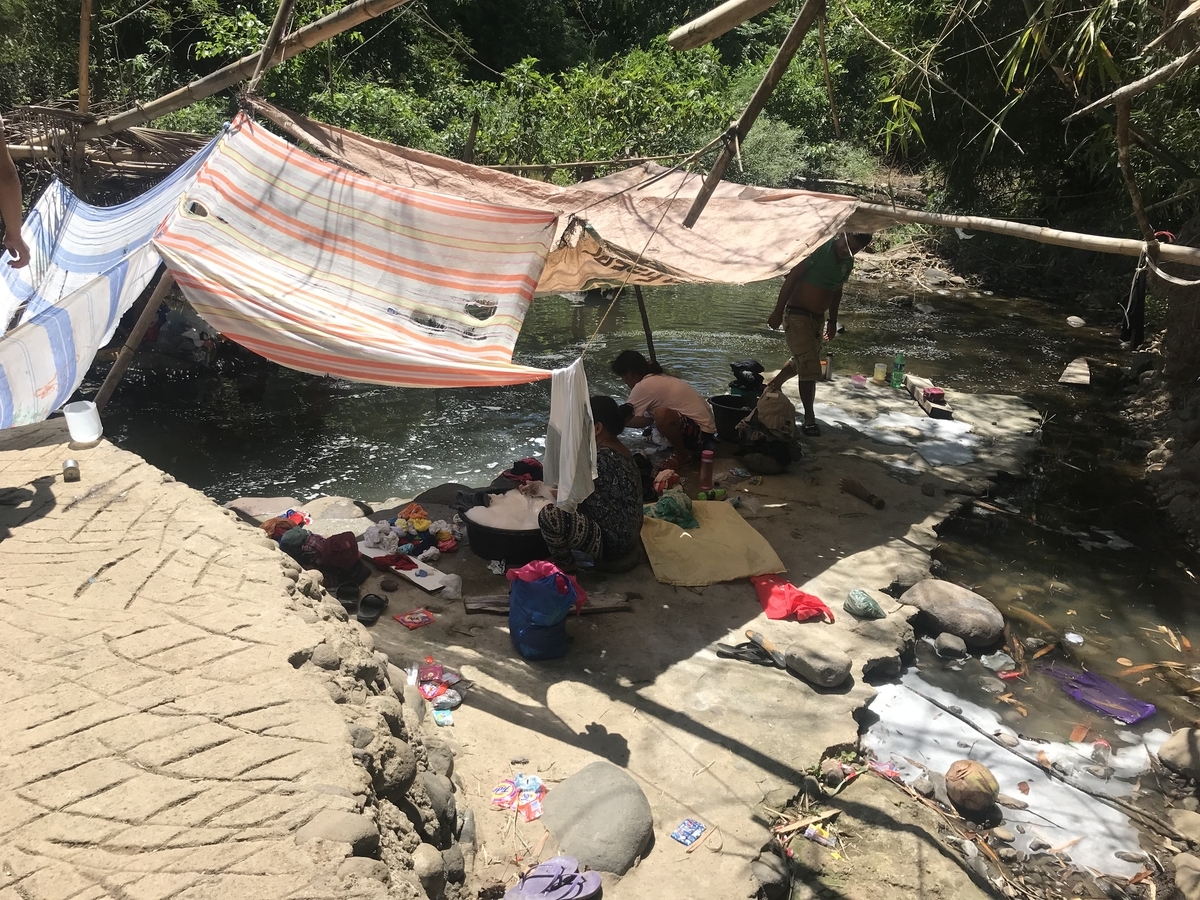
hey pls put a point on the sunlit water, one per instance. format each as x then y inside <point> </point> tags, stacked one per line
<point>297,435</point>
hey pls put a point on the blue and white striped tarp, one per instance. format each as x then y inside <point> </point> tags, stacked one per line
<point>89,264</point>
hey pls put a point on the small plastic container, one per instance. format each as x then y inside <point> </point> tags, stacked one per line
<point>706,470</point>
<point>70,470</point>
<point>880,373</point>
<point>83,421</point>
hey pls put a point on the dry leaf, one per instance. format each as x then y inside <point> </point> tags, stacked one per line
<point>1140,877</point>
<point>1043,760</point>
<point>1079,733</point>
<point>1071,612</point>
<point>1187,645</point>
<point>1122,661</point>
<point>1042,651</point>
<point>1022,710</point>
<point>1023,787</point>
<point>1171,637</point>
<point>1145,667</point>
<point>1143,680</point>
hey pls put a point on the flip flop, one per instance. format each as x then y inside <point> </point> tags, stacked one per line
<point>571,886</point>
<point>748,651</point>
<point>370,607</point>
<point>347,595</point>
<point>811,430</point>
<point>537,880</point>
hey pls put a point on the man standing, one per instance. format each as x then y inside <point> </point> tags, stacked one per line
<point>10,207</point>
<point>810,290</point>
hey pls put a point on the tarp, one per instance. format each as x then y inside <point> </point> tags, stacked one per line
<point>616,226</point>
<point>88,264</point>
<point>724,548</point>
<point>326,271</point>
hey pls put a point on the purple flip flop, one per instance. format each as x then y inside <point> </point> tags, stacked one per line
<point>571,886</point>
<point>534,884</point>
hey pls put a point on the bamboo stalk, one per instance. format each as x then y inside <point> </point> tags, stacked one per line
<point>266,59</point>
<point>716,22</point>
<point>1154,79</point>
<point>125,357</point>
<point>837,130</point>
<point>85,42</point>
<point>1126,166</point>
<point>637,291</point>
<point>739,129</point>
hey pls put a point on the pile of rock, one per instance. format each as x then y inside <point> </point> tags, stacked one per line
<point>409,831</point>
<point>961,619</point>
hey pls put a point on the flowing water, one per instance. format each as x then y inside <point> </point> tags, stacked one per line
<point>1080,548</point>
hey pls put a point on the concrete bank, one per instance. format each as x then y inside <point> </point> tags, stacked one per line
<point>712,738</point>
<point>185,713</point>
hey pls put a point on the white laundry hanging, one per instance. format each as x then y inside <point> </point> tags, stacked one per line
<point>570,462</point>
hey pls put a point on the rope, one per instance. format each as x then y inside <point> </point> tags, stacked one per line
<point>1165,277</point>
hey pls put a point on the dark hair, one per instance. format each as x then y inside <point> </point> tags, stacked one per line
<point>863,237</point>
<point>606,412</point>
<point>632,361</point>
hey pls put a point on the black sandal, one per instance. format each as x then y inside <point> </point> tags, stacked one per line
<point>347,595</point>
<point>811,430</point>
<point>747,651</point>
<point>370,607</point>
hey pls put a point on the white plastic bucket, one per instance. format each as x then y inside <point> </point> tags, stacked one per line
<point>83,421</point>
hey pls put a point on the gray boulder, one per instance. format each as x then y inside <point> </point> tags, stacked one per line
<point>333,508</point>
<point>363,868</point>
<point>1181,752</point>
<point>772,873</point>
<point>455,863</point>
<point>952,608</point>
<point>257,510</point>
<point>395,767</point>
<point>816,660</point>
<point>601,817</point>
<point>950,646</point>
<point>439,756</point>
<point>344,828</point>
<point>430,869</point>
<point>1187,875</point>
<point>441,797</point>
<point>325,657</point>
<point>1186,823</point>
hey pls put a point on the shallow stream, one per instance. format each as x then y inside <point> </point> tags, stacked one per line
<point>1078,548</point>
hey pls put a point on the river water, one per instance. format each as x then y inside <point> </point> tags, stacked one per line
<point>1081,547</point>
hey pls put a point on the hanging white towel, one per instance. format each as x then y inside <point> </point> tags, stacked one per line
<point>570,463</point>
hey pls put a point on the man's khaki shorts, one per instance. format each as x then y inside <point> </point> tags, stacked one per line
<point>804,337</point>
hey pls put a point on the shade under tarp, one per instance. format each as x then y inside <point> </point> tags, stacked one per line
<point>611,229</point>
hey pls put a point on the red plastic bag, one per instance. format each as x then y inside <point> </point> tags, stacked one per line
<point>543,568</point>
<point>781,599</point>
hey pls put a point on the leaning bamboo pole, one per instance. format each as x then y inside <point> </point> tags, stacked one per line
<point>716,22</point>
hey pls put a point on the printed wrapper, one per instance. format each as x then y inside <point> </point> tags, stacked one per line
<point>688,832</point>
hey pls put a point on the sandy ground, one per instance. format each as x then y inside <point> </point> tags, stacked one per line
<point>705,737</point>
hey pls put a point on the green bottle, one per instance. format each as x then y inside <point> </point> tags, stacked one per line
<point>898,370</point>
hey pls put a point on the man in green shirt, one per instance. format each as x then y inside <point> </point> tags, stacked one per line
<point>811,290</point>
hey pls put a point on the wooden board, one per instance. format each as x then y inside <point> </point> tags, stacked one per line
<point>1076,372</point>
<point>916,385</point>
<point>433,580</point>
<point>498,604</point>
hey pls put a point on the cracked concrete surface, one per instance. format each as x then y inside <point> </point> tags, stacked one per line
<point>156,742</point>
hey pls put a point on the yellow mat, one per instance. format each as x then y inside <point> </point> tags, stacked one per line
<point>724,548</point>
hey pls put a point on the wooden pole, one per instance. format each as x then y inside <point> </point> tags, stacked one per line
<point>637,291</point>
<point>716,22</point>
<point>469,149</point>
<point>125,357</point>
<point>873,216</point>
<point>837,129</point>
<point>1126,166</point>
<point>739,129</point>
<point>1155,78</point>
<point>266,59</point>
<point>85,42</point>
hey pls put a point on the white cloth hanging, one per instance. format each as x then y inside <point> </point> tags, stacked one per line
<point>570,463</point>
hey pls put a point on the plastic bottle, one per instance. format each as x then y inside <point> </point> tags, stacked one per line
<point>706,470</point>
<point>829,365</point>
<point>898,370</point>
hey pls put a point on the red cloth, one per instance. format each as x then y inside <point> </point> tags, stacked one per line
<point>781,599</point>
<point>399,562</point>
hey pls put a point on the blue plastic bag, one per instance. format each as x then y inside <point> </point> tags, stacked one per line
<point>539,600</point>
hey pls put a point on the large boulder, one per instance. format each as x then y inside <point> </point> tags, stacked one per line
<point>430,868</point>
<point>1187,875</point>
<point>1186,823</point>
<point>952,608</point>
<point>1181,752</point>
<point>341,827</point>
<point>601,817</point>
<point>257,510</point>
<point>815,659</point>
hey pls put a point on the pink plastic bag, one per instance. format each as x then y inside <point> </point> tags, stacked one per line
<point>543,568</point>
<point>781,599</point>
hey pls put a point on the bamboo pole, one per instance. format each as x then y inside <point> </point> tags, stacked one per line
<point>837,129</point>
<point>469,149</point>
<point>266,59</point>
<point>1155,78</point>
<point>125,357</point>
<point>739,129</point>
<point>716,22</point>
<point>1096,243</point>
<point>637,292</point>
<point>85,42</point>
<point>323,29</point>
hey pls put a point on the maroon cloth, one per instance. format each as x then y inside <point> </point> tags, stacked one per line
<point>400,563</point>
<point>341,551</point>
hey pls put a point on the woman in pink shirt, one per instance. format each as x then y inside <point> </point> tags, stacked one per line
<point>670,404</point>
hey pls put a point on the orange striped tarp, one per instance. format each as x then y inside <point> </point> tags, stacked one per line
<point>329,272</point>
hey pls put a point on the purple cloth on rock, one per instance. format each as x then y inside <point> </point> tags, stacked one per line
<point>1103,696</point>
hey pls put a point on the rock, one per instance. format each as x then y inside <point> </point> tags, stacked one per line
<point>389,585</point>
<point>1129,856</point>
<point>336,694</point>
<point>1181,752</point>
<point>1037,845</point>
<point>395,768</point>
<point>466,835</point>
<point>812,787</point>
<point>956,610</point>
<point>360,737</point>
<point>1009,855</point>
<point>936,276</point>
<point>1010,802</point>
<point>456,866</point>
<point>1192,803</point>
<point>1186,823</point>
<point>1003,835</point>
<point>430,869</point>
<point>989,685</point>
<point>257,510</point>
<point>414,701</point>
<point>940,794</point>
<point>333,508</point>
<point>344,828</point>
<point>364,668</point>
<point>441,796</point>
<point>363,868</point>
<point>1008,740</point>
<point>325,657</point>
<point>971,785</point>
<point>831,772</point>
<point>923,786</point>
<point>1075,322</point>
<point>392,711</point>
<point>950,646</point>
<point>601,817</point>
<point>1187,875</point>
<point>772,873</point>
<point>815,659</point>
<point>439,756</point>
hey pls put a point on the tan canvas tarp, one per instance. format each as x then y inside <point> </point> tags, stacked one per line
<point>614,227</point>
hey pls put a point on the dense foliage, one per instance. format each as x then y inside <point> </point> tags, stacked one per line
<point>970,92</point>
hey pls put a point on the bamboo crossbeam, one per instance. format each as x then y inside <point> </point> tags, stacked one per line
<point>716,22</point>
<point>1155,78</point>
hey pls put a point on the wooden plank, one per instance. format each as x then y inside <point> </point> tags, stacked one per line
<point>433,579</point>
<point>1076,372</point>
<point>498,604</point>
<point>916,385</point>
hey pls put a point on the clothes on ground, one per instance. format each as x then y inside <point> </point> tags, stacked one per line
<point>525,470</point>
<point>570,464</point>
<point>770,429</point>
<point>674,506</point>
<point>724,548</point>
<point>656,392</point>
<point>826,269</point>
<point>608,523</point>
<point>412,534</point>
<point>780,599</point>
<point>804,335</point>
